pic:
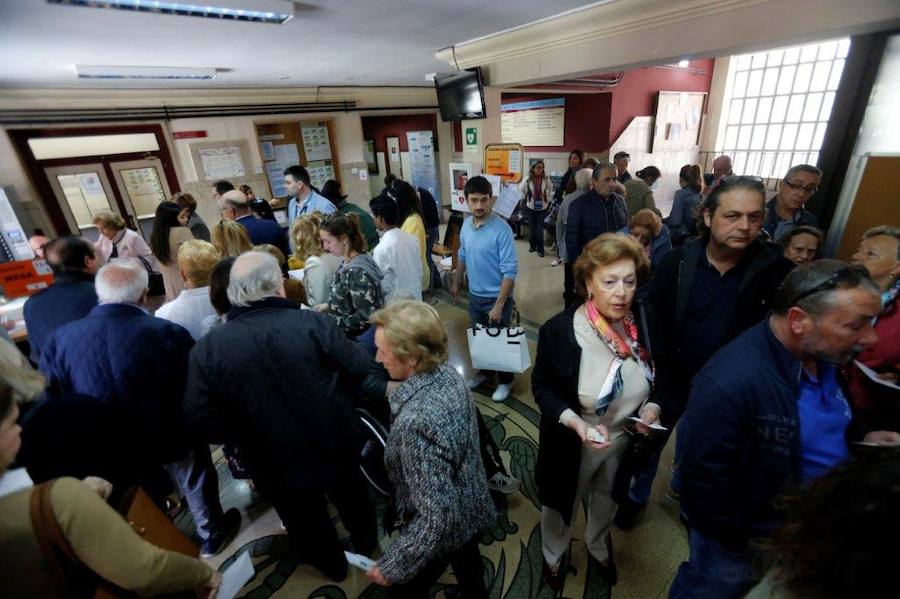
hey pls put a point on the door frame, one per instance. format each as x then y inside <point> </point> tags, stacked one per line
<point>57,190</point>
<point>41,183</point>
<point>387,156</point>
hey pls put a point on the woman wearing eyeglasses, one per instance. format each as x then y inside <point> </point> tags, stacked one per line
<point>592,372</point>
<point>785,211</point>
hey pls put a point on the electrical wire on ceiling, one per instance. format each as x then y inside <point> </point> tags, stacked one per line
<point>453,49</point>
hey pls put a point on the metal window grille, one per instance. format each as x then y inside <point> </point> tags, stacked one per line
<point>777,105</point>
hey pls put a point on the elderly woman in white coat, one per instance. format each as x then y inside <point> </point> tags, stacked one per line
<point>118,241</point>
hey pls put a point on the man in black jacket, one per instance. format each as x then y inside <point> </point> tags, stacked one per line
<point>767,411</point>
<point>269,381</point>
<point>705,293</point>
<point>598,211</point>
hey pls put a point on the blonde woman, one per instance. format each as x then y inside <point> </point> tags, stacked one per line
<point>118,241</point>
<point>319,267</point>
<point>432,458</point>
<point>231,238</point>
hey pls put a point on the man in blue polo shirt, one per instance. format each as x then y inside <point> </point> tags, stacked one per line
<point>487,253</point>
<point>304,199</point>
<point>767,411</point>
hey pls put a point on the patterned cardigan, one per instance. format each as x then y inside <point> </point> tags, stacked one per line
<point>434,461</point>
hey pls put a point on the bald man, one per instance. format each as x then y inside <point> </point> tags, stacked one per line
<point>721,169</point>
<point>234,205</point>
<point>246,380</point>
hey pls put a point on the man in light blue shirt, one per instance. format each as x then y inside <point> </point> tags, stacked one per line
<point>487,253</point>
<point>304,200</point>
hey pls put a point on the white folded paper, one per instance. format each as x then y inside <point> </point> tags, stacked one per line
<point>236,576</point>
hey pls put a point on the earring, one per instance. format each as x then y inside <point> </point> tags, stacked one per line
<point>590,295</point>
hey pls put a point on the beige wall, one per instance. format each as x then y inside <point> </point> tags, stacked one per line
<point>347,126</point>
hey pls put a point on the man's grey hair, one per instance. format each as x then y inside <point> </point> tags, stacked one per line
<point>885,230</point>
<point>602,166</point>
<point>583,179</point>
<point>254,276</point>
<point>122,282</point>
<point>809,276</point>
<point>234,199</point>
<point>803,168</point>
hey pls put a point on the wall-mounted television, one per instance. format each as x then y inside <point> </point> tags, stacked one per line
<point>460,95</point>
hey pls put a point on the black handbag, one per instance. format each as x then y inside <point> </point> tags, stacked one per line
<point>155,283</point>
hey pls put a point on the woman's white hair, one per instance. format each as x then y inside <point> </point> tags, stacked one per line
<point>254,276</point>
<point>122,282</point>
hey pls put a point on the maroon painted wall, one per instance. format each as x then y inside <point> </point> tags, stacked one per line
<point>636,93</point>
<point>379,127</point>
<point>586,124</point>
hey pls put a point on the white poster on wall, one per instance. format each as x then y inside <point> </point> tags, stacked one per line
<point>287,154</point>
<point>275,173</point>
<point>535,123</point>
<point>422,162</point>
<point>315,141</point>
<point>222,163</point>
<point>459,174</point>
<point>319,173</point>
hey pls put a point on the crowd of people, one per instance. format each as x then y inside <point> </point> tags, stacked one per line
<point>719,319</point>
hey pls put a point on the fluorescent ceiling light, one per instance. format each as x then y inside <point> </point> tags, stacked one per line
<point>190,10</point>
<point>127,72</point>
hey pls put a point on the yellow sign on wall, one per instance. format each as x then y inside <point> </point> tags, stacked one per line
<point>504,160</point>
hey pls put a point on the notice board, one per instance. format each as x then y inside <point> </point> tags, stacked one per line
<point>308,143</point>
<point>534,123</point>
<point>677,120</point>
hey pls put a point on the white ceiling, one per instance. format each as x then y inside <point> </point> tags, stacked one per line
<point>328,42</point>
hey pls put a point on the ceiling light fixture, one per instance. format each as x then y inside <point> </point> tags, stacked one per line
<point>128,72</point>
<point>228,13</point>
<point>684,64</point>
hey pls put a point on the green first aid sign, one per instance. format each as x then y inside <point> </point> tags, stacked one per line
<point>471,136</point>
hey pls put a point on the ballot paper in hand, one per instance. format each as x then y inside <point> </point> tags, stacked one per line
<point>235,577</point>
<point>360,561</point>
<point>297,274</point>
<point>507,200</point>
<point>873,376</point>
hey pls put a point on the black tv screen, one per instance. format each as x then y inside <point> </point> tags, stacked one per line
<point>460,95</point>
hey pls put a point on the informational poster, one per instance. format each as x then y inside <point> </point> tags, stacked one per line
<point>275,173</point>
<point>24,277</point>
<point>268,151</point>
<point>459,175</point>
<point>315,141</point>
<point>504,160</point>
<point>494,180</point>
<point>222,163</point>
<point>14,241</point>
<point>319,173</point>
<point>508,199</point>
<point>287,154</point>
<point>534,123</point>
<point>90,184</point>
<point>422,163</point>
<point>144,189</point>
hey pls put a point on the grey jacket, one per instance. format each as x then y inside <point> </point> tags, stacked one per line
<point>433,459</point>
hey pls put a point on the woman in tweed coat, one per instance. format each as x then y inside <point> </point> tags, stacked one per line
<point>432,457</point>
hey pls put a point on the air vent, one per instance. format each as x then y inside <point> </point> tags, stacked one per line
<point>276,16</point>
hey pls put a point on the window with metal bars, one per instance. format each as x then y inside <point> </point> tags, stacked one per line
<point>777,105</point>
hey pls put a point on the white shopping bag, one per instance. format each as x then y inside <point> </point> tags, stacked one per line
<point>499,348</point>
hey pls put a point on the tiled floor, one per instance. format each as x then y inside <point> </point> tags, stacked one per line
<point>647,557</point>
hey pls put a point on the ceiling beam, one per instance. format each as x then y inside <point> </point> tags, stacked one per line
<point>621,35</point>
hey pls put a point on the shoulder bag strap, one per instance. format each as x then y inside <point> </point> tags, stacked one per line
<point>50,538</point>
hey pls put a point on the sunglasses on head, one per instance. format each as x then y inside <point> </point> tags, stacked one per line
<point>848,276</point>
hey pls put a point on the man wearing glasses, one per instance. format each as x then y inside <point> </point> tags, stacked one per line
<point>765,412</point>
<point>785,211</point>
